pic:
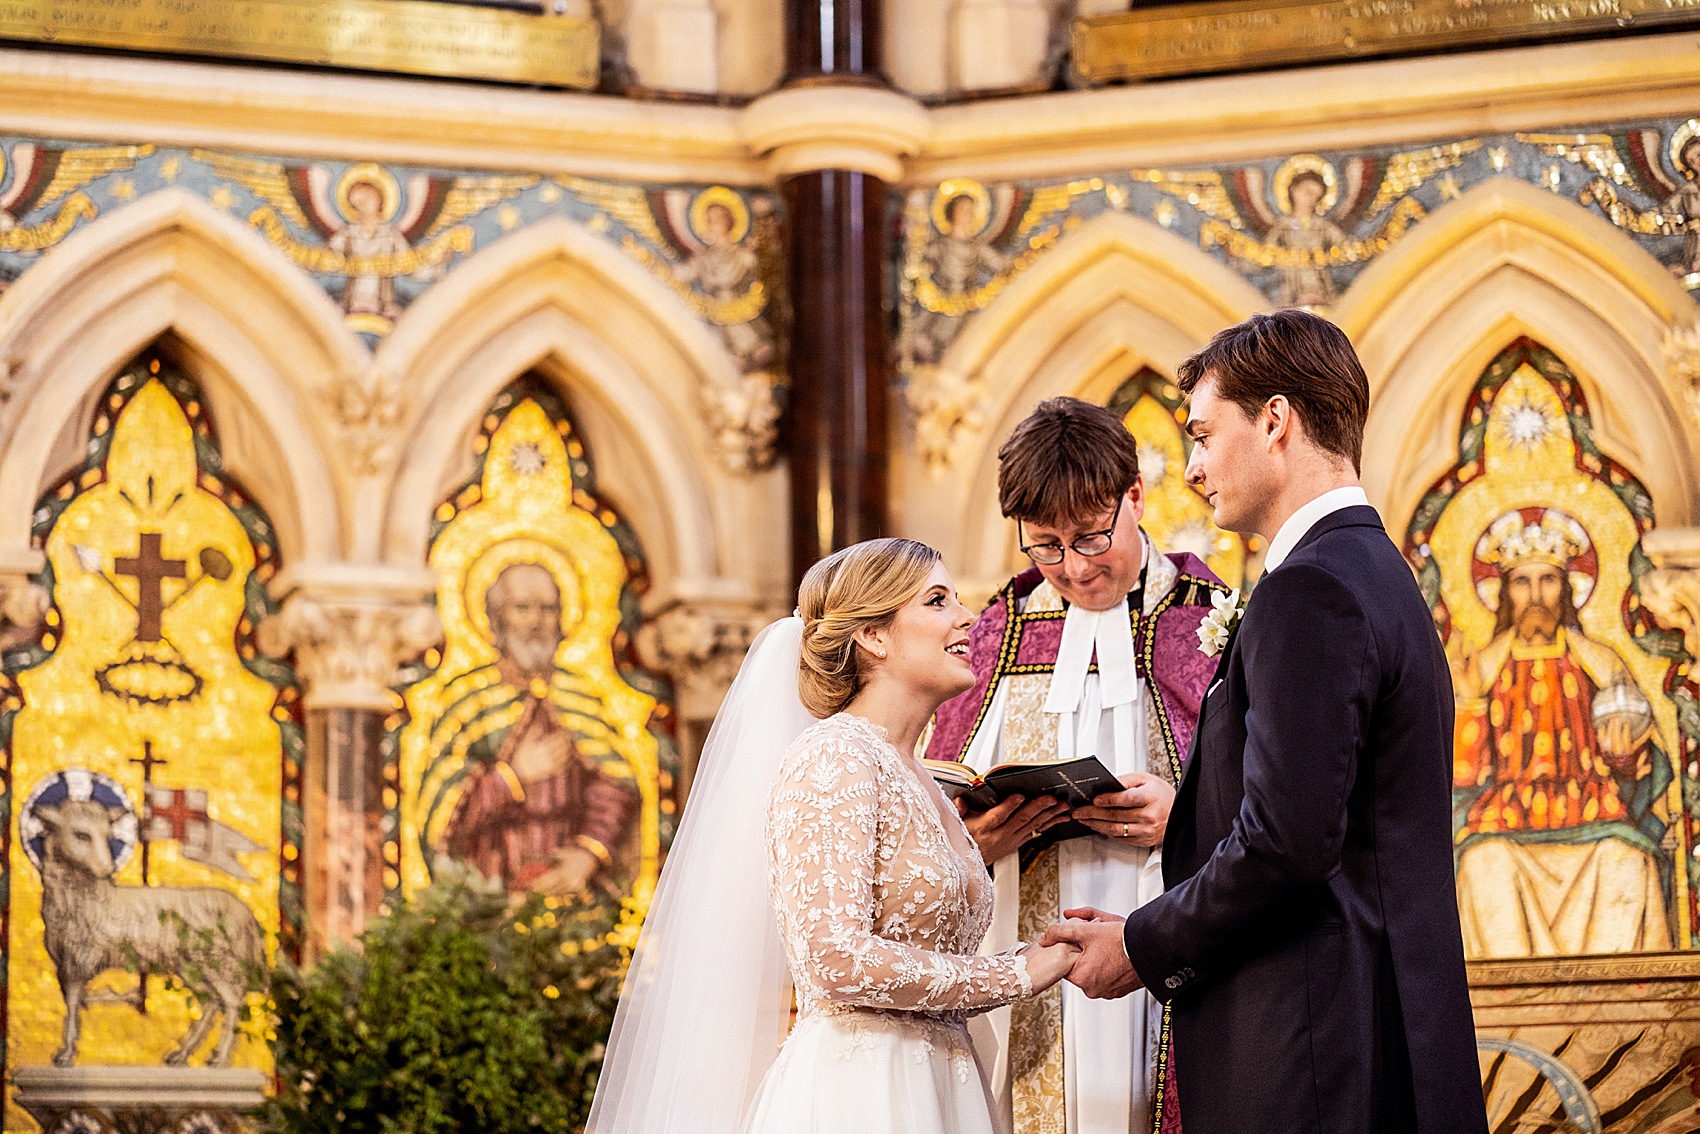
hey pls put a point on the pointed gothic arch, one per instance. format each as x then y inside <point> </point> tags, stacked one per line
<point>1117,294</point>
<point>1508,260</point>
<point>633,360</point>
<point>264,341</point>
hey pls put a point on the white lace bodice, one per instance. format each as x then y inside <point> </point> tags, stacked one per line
<point>879,906</point>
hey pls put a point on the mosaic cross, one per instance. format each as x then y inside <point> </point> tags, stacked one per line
<point>149,568</point>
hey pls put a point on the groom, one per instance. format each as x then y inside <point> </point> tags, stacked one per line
<point>1307,943</point>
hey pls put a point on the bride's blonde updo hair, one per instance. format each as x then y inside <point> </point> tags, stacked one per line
<point>860,587</point>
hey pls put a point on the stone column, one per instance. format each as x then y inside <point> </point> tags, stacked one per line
<point>348,635</point>
<point>835,136</point>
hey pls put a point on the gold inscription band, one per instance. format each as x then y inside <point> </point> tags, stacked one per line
<point>408,36</point>
<point>1192,38</point>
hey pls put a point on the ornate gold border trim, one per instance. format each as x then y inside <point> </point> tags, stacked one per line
<point>1203,36</point>
<point>1632,968</point>
<point>409,36</point>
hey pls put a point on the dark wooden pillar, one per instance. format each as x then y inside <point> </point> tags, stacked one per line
<point>836,437</point>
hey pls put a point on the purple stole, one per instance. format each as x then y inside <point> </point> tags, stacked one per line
<point>1005,642</point>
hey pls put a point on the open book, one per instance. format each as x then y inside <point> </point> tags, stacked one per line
<point>1075,782</point>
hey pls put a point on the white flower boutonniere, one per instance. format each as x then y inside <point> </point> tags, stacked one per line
<point>1218,625</point>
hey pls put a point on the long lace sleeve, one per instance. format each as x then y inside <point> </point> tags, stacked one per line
<point>825,855</point>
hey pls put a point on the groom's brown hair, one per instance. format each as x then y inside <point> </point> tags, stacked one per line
<point>1065,463</point>
<point>1300,356</point>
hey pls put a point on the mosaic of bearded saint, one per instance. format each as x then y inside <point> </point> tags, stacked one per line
<point>528,754</point>
<point>1564,791</point>
<point>535,812</point>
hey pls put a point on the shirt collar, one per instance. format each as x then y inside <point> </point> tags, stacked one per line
<point>1305,518</point>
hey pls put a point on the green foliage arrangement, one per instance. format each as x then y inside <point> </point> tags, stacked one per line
<point>460,1014</point>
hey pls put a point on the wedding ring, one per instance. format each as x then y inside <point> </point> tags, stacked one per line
<point>1126,830</point>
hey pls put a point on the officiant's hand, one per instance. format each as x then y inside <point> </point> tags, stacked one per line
<point>1102,970</point>
<point>1001,830</point>
<point>1138,814</point>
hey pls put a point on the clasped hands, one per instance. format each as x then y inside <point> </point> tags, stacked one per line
<point>1101,969</point>
<point>1138,814</point>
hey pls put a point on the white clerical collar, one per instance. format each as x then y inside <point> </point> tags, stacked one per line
<point>1300,522</point>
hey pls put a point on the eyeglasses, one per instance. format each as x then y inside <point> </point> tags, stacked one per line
<point>1088,543</point>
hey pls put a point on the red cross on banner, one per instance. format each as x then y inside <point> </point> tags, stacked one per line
<point>181,815</point>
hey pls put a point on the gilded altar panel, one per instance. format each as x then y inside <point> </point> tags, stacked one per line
<point>152,756</point>
<point>1573,775</point>
<point>534,749</point>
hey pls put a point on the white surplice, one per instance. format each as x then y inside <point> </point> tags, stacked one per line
<point>1109,1046</point>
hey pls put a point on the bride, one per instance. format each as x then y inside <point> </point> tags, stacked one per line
<point>817,856</point>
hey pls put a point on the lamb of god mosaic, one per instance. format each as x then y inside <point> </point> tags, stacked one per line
<point>1571,833</point>
<point>157,755</point>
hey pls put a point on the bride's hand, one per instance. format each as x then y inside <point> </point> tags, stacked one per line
<point>1047,964</point>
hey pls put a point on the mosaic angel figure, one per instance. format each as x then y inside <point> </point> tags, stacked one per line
<point>1304,221</point>
<point>34,176</point>
<point>363,225</point>
<point>955,262</point>
<point>1642,162</point>
<point>723,255</point>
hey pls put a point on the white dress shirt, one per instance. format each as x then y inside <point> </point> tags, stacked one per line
<point>1300,522</point>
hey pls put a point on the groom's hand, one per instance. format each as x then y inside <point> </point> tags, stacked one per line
<point>1102,970</point>
<point>1138,814</point>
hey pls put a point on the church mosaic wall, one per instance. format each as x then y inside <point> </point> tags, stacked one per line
<point>1300,228</point>
<point>376,237</point>
<point>1176,515</point>
<point>152,756</point>
<point>534,748</point>
<point>1576,785</point>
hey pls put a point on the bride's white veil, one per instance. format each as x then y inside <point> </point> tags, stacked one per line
<point>708,996</point>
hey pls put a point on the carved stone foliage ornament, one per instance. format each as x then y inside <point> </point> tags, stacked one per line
<point>948,412</point>
<point>368,408</point>
<point>346,649</point>
<point>701,646</point>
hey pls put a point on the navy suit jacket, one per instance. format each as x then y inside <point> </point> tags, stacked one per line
<point>1308,942</point>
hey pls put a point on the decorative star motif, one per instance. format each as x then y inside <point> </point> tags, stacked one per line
<point>1499,156</point>
<point>1450,190</point>
<point>508,217</point>
<point>1154,463</point>
<point>1166,213</point>
<point>123,189</point>
<point>169,167</point>
<point>222,197</point>
<point>527,459</point>
<point>1528,424</point>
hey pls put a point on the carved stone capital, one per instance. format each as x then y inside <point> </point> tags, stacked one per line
<point>700,645</point>
<point>743,421</point>
<point>948,413</point>
<point>868,129</point>
<point>347,648</point>
<point>1671,592</point>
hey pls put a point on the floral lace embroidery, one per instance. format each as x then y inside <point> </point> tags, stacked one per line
<point>877,907</point>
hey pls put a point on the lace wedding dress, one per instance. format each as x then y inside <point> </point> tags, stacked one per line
<point>882,900</point>
<point>812,865</point>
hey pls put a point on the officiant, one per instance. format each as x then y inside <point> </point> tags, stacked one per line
<point>1092,651</point>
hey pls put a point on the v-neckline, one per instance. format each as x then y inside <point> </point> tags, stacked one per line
<point>970,859</point>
